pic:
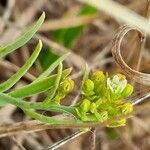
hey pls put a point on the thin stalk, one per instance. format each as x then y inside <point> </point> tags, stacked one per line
<point>93,139</point>
<point>52,92</point>
<point>64,141</point>
<point>141,99</point>
<point>18,145</point>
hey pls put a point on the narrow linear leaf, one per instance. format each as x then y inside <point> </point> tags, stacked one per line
<point>3,103</point>
<point>35,105</point>
<point>52,67</point>
<point>22,39</point>
<point>39,86</point>
<point>85,74</point>
<point>55,87</point>
<point>13,79</point>
<point>49,120</point>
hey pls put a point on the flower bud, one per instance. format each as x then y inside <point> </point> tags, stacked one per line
<point>85,105</point>
<point>127,91</point>
<point>127,108</point>
<point>98,77</point>
<point>88,87</point>
<point>66,86</point>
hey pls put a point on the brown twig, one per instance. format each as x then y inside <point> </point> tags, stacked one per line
<point>6,14</point>
<point>14,68</point>
<point>93,139</point>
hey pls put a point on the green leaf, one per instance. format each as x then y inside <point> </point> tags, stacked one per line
<point>3,103</point>
<point>13,79</point>
<point>22,39</point>
<point>52,67</point>
<point>4,98</point>
<point>56,85</point>
<point>39,86</point>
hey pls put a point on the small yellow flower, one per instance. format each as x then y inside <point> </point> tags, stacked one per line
<point>85,105</point>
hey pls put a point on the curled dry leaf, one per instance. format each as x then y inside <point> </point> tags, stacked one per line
<point>139,77</point>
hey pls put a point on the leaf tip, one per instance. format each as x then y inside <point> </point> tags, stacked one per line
<point>40,44</point>
<point>43,15</point>
<point>70,69</point>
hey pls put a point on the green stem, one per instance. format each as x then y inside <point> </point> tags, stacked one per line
<point>37,105</point>
<point>50,120</point>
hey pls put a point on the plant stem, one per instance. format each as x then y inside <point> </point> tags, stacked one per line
<point>36,105</point>
<point>50,120</point>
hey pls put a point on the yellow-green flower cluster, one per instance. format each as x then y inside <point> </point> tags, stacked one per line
<point>66,87</point>
<point>103,98</point>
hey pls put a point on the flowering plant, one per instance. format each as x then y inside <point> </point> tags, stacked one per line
<point>103,98</point>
